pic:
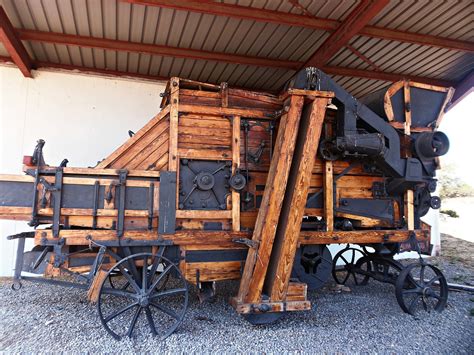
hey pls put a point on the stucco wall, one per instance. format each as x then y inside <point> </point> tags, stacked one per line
<point>81,118</point>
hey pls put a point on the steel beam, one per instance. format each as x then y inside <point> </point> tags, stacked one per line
<point>353,23</point>
<point>13,45</point>
<point>283,18</point>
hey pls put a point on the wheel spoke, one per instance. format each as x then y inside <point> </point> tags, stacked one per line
<point>422,274</point>
<point>165,309</point>
<point>353,256</point>
<point>154,266</point>
<point>355,278</point>
<point>413,304</point>
<point>151,323</point>
<point>129,278</point>
<point>160,277</point>
<point>118,293</point>
<point>343,258</point>
<point>120,311</point>
<point>168,293</point>
<point>134,322</point>
<point>433,280</point>
<point>411,290</point>
<point>144,272</point>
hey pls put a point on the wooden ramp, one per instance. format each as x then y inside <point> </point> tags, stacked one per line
<point>265,285</point>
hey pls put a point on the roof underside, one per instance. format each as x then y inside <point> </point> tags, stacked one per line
<point>118,20</point>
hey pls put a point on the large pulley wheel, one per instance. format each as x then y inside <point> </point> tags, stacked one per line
<point>151,295</point>
<point>312,265</point>
<point>421,286</point>
<point>351,265</point>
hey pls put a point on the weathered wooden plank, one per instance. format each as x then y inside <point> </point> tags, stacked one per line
<point>213,271</point>
<point>206,154</point>
<point>235,168</point>
<point>267,219</point>
<point>329,196</point>
<point>130,142</point>
<point>173,130</point>
<point>228,111</point>
<point>291,216</point>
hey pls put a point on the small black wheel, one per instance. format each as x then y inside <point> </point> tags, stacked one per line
<point>263,318</point>
<point>350,270</point>
<point>16,285</point>
<point>421,286</point>
<point>142,288</point>
<point>312,265</point>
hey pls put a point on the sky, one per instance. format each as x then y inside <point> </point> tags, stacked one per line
<point>458,125</point>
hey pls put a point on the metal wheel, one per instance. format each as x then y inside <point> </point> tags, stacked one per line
<point>143,297</point>
<point>312,265</point>
<point>386,250</point>
<point>351,270</point>
<point>421,286</point>
<point>263,318</point>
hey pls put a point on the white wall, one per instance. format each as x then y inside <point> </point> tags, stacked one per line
<point>82,118</point>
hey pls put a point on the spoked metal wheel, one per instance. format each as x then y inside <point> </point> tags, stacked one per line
<point>421,287</point>
<point>144,299</point>
<point>312,265</point>
<point>349,270</point>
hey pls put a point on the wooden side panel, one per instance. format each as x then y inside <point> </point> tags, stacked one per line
<point>213,271</point>
<point>257,260</point>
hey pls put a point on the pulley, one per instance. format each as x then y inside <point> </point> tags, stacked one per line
<point>238,181</point>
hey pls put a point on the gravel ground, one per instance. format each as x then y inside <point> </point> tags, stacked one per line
<point>367,319</point>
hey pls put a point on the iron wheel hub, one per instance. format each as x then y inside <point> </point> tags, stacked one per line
<point>205,181</point>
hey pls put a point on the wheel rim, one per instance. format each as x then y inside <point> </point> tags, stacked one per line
<point>351,271</point>
<point>421,287</point>
<point>144,297</point>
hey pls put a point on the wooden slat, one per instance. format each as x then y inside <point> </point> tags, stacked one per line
<point>268,216</point>
<point>173,130</point>
<point>228,111</point>
<point>235,167</point>
<point>130,142</point>
<point>329,196</point>
<point>286,239</point>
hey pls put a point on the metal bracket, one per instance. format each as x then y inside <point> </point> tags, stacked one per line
<point>248,242</point>
<point>121,203</point>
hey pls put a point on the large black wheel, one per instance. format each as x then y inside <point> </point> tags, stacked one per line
<point>312,265</point>
<point>143,298</point>
<point>263,318</point>
<point>421,286</point>
<point>351,265</point>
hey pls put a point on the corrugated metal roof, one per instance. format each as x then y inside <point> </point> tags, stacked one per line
<point>153,25</point>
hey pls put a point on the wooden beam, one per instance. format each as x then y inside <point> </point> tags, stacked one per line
<point>14,46</point>
<point>153,49</point>
<point>462,89</point>
<point>289,19</point>
<point>363,13</point>
<point>257,261</point>
<point>291,217</point>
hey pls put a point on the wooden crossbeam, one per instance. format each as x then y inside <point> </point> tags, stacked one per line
<point>13,45</point>
<point>365,11</point>
<point>283,18</point>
